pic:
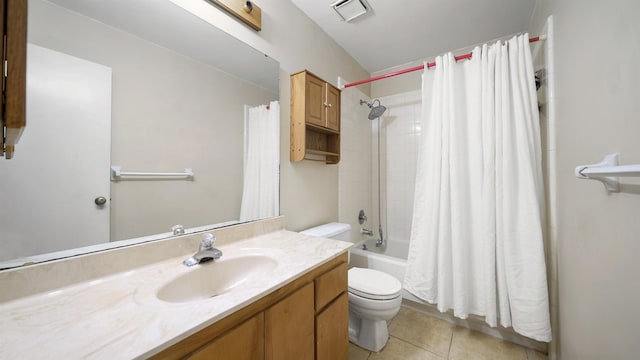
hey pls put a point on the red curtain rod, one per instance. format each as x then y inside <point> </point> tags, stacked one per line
<point>421,67</point>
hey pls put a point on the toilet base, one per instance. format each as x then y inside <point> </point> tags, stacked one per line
<point>368,334</point>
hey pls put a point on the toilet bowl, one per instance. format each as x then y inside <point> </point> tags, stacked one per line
<point>374,296</point>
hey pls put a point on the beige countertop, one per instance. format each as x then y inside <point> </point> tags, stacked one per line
<point>119,316</point>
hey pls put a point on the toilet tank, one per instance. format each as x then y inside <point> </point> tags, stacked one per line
<point>334,230</point>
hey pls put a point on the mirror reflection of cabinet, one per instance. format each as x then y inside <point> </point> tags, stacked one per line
<point>315,119</point>
<point>14,69</point>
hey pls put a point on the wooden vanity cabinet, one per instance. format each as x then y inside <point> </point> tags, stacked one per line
<point>315,119</point>
<point>306,319</point>
<point>332,314</point>
<point>289,327</point>
<point>332,328</point>
<point>244,342</point>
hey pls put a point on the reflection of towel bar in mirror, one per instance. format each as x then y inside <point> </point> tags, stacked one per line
<point>118,174</point>
<point>607,171</point>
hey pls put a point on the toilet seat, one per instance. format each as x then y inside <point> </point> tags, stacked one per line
<point>373,284</point>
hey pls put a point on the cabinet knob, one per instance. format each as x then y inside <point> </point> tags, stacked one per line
<point>327,105</point>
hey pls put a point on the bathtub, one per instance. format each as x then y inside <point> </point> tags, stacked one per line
<point>391,260</point>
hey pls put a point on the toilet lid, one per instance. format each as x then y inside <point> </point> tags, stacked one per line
<point>373,284</point>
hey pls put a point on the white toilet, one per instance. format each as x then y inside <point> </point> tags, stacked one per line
<point>374,296</point>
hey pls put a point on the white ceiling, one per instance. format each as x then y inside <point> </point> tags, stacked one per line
<point>401,31</point>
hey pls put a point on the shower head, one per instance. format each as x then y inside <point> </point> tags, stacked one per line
<point>376,111</point>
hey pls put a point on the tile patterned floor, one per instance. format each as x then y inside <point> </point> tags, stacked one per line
<point>418,336</point>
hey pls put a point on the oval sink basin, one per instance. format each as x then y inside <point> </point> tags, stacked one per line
<point>209,280</point>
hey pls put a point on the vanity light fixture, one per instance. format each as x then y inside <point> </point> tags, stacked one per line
<point>351,9</point>
<point>246,11</point>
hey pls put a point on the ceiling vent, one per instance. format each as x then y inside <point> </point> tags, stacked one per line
<point>350,9</point>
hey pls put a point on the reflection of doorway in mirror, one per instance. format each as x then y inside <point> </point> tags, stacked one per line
<point>49,189</point>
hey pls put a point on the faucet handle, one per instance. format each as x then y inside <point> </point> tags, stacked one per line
<point>207,242</point>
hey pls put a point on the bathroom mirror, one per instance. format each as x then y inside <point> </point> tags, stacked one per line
<point>140,84</point>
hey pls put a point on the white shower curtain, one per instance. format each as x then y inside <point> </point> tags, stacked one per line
<point>261,191</point>
<point>476,239</point>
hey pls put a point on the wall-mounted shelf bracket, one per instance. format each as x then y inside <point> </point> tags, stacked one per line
<point>607,171</point>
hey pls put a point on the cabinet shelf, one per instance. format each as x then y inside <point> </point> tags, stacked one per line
<point>321,129</point>
<point>315,119</point>
<point>320,152</point>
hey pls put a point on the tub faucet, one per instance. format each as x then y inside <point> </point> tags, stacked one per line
<point>205,253</point>
<point>366,232</point>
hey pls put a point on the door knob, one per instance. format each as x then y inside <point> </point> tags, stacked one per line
<point>100,200</point>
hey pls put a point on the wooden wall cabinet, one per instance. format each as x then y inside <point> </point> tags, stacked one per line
<point>304,320</point>
<point>315,119</point>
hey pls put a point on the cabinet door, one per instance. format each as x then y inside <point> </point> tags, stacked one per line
<point>332,330</point>
<point>333,108</point>
<point>314,100</point>
<point>289,327</point>
<point>245,342</point>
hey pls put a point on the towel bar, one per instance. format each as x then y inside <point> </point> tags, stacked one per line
<point>607,171</point>
<point>118,174</point>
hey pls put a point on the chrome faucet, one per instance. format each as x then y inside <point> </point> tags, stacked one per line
<point>206,252</point>
<point>177,229</point>
<point>366,232</point>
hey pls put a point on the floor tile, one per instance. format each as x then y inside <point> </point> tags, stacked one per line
<point>469,344</point>
<point>357,353</point>
<point>536,355</point>
<point>397,349</point>
<point>423,331</point>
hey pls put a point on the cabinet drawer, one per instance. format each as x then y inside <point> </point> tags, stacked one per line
<point>330,284</point>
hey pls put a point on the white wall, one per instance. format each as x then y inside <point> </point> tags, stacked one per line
<point>597,77</point>
<point>398,84</point>
<point>399,140</point>
<point>169,112</point>
<point>354,169</point>
<point>309,189</point>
